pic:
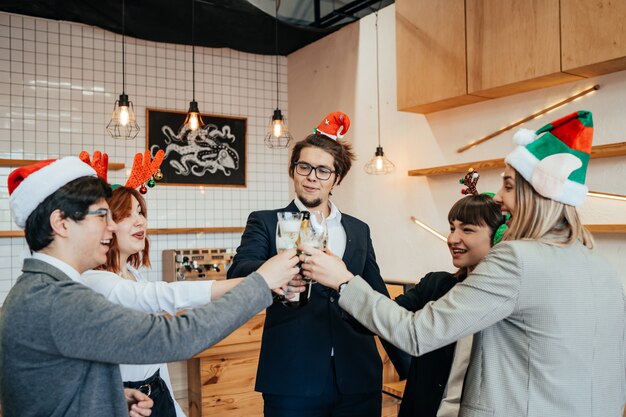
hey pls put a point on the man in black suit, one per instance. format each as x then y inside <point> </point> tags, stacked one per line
<point>316,361</point>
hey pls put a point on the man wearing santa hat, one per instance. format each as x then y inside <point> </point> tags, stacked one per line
<point>333,368</point>
<point>60,342</point>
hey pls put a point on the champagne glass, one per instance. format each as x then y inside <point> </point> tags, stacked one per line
<point>314,231</point>
<point>287,230</point>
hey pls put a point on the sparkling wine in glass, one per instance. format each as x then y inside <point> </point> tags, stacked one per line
<point>287,232</point>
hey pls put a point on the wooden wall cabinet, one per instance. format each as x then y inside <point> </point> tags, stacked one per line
<point>431,65</point>
<point>456,52</point>
<point>593,36</point>
<point>513,46</point>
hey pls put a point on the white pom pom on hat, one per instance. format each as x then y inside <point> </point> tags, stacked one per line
<point>524,136</point>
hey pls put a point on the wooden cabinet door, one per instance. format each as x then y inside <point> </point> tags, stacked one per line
<point>221,379</point>
<point>513,46</point>
<point>430,55</point>
<point>593,36</point>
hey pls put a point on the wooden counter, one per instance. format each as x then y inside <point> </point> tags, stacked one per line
<point>221,379</point>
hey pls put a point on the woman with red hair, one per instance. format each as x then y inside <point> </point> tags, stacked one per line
<point>120,281</point>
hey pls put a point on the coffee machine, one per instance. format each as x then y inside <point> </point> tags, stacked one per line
<point>196,264</point>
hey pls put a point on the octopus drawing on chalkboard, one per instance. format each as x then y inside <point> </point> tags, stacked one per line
<point>207,149</point>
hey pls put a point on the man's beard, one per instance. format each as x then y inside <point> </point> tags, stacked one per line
<point>310,203</point>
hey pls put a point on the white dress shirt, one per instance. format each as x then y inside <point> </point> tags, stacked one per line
<point>451,402</point>
<point>337,238</point>
<point>150,297</point>
<point>59,264</point>
<point>336,233</point>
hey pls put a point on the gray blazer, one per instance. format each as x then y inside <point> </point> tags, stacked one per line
<point>550,331</point>
<point>60,342</point>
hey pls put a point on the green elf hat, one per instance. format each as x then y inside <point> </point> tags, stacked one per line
<point>555,163</point>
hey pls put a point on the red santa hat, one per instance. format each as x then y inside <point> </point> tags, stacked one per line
<point>30,185</point>
<point>334,126</point>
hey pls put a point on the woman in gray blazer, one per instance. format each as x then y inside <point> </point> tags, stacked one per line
<point>548,313</point>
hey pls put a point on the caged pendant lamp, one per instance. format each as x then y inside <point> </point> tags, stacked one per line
<point>379,164</point>
<point>277,136</point>
<point>193,121</point>
<point>123,123</point>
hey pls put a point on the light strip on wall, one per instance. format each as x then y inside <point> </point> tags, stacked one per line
<point>528,118</point>
<point>428,228</point>
<point>608,196</point>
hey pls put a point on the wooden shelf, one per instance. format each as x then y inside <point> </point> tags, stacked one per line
<point>170,231</point>
<point>113,166</point>
<point>600,151</point>
<point>606,228</point>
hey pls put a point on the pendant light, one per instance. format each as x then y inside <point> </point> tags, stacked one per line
<point>193,121</point>
<point>123,123</point>
<point>379,164</point>
<point>277,136</point>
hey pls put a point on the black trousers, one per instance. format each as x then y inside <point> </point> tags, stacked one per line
<point>331,403</point>
<point>155,388</point>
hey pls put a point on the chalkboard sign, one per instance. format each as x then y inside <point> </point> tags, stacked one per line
<point>213,155</point>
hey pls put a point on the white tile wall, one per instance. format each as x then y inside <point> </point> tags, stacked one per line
<point>58,83</point>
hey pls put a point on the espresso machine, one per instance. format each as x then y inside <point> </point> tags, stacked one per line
<point>195,264</point>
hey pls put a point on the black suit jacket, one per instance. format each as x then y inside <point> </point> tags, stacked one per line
<point>296,348</point>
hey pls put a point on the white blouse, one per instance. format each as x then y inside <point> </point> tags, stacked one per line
<point>149,297</point>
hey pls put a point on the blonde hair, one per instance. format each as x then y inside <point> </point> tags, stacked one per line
<point>548,221</point>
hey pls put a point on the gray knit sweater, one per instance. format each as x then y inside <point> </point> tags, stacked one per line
<point>60,342</point>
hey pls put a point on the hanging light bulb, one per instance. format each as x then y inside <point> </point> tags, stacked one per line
<point>193,121</point>
<point>123,123</point>
<point>379,164</point>
<point>278,124</point>
<point>277,136</point>
<point>124,116</point>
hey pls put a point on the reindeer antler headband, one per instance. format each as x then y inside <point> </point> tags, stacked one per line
<point>144,172</point>
<point>470,180</point>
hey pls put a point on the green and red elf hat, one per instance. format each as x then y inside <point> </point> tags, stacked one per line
<point>555,163</point>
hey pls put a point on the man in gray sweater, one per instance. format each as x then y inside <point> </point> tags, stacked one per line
<point>60,342</point>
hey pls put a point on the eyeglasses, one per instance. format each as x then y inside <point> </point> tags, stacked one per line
<point>321,173</point>
<point>102,213</point>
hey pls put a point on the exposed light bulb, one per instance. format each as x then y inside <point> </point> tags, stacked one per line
<point>193,121</point>
<point>277,134</point>
<point>379,163</point>
<point>123,124</point>
<point>124,116</point>
<point>278,128</point>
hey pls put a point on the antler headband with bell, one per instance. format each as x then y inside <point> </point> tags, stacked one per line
<point>144,172</point>
<point>470,180</point>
